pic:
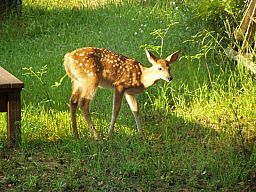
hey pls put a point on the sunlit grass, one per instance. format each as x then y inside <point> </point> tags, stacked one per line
<point>200,131</point>
<point>70,4</point>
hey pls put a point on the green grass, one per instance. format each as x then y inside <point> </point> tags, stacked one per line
<point>200,128</point>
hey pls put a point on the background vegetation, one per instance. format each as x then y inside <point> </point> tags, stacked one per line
<point>200,127</point>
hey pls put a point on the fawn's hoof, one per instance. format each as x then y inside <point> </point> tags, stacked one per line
<point>97,136</point>
<point>76,136</point>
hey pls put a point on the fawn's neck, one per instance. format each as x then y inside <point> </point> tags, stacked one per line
<point>147,77</point>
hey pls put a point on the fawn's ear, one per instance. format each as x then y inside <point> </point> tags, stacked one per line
<point>172,58</point>
<point>151,58</point>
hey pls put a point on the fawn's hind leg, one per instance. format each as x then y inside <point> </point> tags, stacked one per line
<point>87,95</point>
<point>117,101</point>
<point>74,99</point>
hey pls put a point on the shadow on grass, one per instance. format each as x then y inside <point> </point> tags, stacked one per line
<point>177,155</point>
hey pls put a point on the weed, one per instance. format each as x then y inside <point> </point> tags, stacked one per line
<point>200,128</point>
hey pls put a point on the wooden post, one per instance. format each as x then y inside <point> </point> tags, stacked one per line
<point>247,27</point>
<point>13,119</point>
<point>245,34</point>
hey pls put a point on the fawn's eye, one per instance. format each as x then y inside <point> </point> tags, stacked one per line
<point>160,68</point>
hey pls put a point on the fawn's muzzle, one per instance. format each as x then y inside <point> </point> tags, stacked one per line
<point>170,78</point>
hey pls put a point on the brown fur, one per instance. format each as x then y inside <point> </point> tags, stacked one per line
<point>90,68</point>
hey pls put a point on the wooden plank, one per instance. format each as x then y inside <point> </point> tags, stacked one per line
<point>7,80</point>
<point>246,30</point>
<point>249,14</point>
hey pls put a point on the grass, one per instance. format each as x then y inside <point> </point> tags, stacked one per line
<point>200,128</point>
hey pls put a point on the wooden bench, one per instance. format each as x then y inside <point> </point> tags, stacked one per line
<point>10,88</point>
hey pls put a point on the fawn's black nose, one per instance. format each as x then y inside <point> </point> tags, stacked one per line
<point>170,78</point>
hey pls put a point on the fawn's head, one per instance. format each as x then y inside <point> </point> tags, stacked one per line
<point>161,67</point>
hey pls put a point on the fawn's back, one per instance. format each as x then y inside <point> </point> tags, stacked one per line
<point>109,68</point>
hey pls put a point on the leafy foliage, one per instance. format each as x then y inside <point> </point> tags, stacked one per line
<point>200,128</point>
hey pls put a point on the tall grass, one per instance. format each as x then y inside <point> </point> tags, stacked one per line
<point>200,128</point>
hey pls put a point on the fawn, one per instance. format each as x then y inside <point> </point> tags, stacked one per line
<point>90,68</point>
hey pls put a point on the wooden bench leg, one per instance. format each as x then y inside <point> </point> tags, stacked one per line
<point>13,119</point>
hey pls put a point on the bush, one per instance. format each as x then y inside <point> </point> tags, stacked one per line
<point>214,12</point>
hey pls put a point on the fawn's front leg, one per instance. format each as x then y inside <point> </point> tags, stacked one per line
<point>134,106</point>
<point>117,101</point>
